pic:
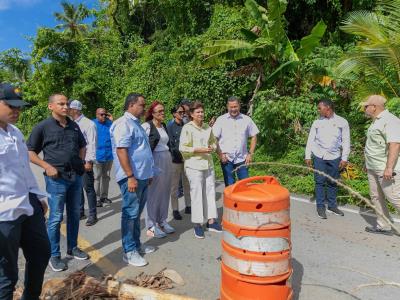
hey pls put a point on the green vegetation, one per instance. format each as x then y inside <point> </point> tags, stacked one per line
<point>279,56</point>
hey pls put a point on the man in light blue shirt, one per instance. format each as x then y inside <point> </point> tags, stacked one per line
<point>134,164</point>
<point>329,146</point>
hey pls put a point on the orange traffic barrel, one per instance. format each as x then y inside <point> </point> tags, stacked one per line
<point>256,241</point>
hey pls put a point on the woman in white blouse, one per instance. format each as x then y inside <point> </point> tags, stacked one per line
<point>197,142</point>
<point>159,189</point>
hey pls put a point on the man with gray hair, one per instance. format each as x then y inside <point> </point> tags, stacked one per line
<point>382,150</point>
<point>89,131</point>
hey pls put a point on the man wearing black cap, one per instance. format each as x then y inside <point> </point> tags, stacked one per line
<point>22,222</point>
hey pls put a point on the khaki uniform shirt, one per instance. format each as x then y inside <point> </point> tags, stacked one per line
<point>384,129</point>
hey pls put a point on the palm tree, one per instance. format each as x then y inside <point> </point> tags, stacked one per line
<point>266,46</point>
<point>71,19</point>
<point>374,63</point>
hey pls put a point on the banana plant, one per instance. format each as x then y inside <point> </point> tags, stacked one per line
<point>266,46</point>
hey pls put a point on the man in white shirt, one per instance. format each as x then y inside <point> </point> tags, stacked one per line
<point>89,131</point>
<point>382,150</point>
<point>22,223</point>
<point>232,131</point>
<point>328,146</point>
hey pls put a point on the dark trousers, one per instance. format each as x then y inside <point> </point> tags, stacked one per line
<point>88,186</point>
<point>330,167</point>
<point>229,175</point>
<point>28,233</point>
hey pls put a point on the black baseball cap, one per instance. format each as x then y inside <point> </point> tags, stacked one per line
<point>11,95</point>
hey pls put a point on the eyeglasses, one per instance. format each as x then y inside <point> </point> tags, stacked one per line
<point>180,112</point>
<point>366,106</point>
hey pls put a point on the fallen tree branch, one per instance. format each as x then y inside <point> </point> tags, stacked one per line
<point>338,182</point>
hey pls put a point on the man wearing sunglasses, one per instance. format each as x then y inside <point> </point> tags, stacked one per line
<point>22,205</point>
<point>382,150</point>
<point>104,158</point>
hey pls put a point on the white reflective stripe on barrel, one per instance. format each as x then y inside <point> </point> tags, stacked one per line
<point>256,268</point>
<point>257,244</point>
<point>256,219</point>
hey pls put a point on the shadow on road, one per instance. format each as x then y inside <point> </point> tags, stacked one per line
<point>297,277</point>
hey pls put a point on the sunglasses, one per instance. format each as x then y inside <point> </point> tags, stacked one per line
<point>104,115</point>
<point>180,112</point>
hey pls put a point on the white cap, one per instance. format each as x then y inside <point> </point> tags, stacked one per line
<point>75,104</point>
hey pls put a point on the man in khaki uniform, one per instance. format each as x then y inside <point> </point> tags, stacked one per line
<point>382,160</point>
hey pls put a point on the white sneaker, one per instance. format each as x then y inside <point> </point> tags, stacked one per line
<point>133,258</point>
<point>167,228</point>
<point>146,249</point>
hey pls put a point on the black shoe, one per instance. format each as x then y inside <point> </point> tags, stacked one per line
<point>91,221</point>
<point>57,265</point>
<point>82,216</point>
<point>188,210</point>
<point>77,254</point>
<point>99,203</point>
<point>374,229</point>
<point>335,211</point>
<point>177,215</point>
<point>106,200</point>
<point>321,212</point>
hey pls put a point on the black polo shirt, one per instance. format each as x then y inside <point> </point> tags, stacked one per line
<point>60,145</point>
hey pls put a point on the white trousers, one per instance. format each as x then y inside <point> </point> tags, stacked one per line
<point>177,174</point>
<point>202,194</point>
<point>381,189</point>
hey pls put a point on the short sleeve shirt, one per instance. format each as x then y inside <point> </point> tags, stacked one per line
<point>126,132</point>
<point>384,129</point>
<point>233,133</point>
<point>60,145</point>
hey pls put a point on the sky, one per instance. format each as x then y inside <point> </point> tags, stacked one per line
<point>20,19</point>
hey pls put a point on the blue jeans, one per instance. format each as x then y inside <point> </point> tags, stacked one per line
<point>330,167</point>
<point>229,177</point>
<point>69,193</point>
<point>132,207</point>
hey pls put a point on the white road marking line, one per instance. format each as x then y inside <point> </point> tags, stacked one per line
<point>346,209</point>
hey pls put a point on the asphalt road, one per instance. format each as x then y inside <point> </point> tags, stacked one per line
<point>332,259</point>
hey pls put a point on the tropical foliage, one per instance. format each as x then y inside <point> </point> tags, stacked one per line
<point>374,61</point>
<point>279,56</point>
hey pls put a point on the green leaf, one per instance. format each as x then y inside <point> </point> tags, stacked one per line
<point>283,68</point>
<point>253,8</point>
<point>311,41</point>
<point>276,10</point>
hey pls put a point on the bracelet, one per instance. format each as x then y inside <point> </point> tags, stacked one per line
<point>131,176</point>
